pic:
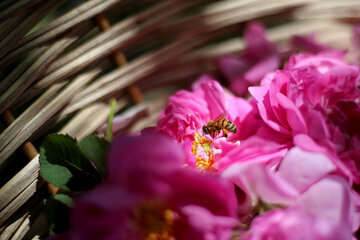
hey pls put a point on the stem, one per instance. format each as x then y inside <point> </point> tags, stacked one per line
<point>109,135</point>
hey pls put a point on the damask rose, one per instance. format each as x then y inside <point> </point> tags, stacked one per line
<point>188,112</point>
<point>150,195</point>
<point>259,58</point>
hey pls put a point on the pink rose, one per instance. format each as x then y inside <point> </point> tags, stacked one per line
<point>310,196</point>
<point>295,224</point>
<point>187,112</point>
<point>324,78</point>
<point>313,96</point>
<point>149,194</point>
<point>259,58</point>
<point>308,44</point>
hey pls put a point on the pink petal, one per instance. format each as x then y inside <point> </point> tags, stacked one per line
<point>258,47</point>
<point>302,169</point>
<point>259,182</point>
<point>134,161</point>
<point>212,226</point>
<point>294,117</point>
<point>239,108</point>
<point>260,69</point>
<point>232,67</point>
<point>211,192</point>
<point>253,149</point>
<point>295,224</point>
<point>308,144</point>
<point>331,199</point>
<point>213,94</point>
<point>239,86</point>
<point>259,93</point>
<point>308,43</point>
<point>279,84</point>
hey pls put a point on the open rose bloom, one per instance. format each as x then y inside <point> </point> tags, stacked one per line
<point>281,164</point>
<point>150,195</point>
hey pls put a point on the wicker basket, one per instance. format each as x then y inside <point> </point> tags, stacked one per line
<point>62,61</point>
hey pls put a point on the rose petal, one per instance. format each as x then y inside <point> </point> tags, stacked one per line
<point>302,169</point>
<point>260,182</point>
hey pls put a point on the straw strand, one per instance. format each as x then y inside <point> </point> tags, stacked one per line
<point>120,60</point>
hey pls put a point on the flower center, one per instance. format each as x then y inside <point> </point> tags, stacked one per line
<point>201,149</point>
<point>155,223</point>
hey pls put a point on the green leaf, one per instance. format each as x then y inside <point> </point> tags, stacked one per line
<point>109,135</point>
<point>95,149</point>
<point>65,199</point>
<point>57,213</point>
<point>63,165</point>
<point>55,174</point>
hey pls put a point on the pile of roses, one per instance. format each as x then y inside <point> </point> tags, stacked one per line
<point>291,171</point>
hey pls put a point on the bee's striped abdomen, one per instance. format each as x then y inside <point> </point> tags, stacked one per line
<point>221,123</point>
<point>226,124</point>
<point>232,127</point>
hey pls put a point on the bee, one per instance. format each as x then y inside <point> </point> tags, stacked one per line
<point>220,123</point>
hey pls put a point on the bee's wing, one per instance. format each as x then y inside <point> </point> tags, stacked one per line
<point>221,115</point>
<point>211,123</point>
<point>214,121</point>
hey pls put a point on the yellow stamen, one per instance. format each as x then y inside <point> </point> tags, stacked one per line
<point>155,223</point>
<point>204,164</point>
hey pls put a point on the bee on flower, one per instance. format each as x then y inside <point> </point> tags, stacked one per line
<point>205,120</point>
